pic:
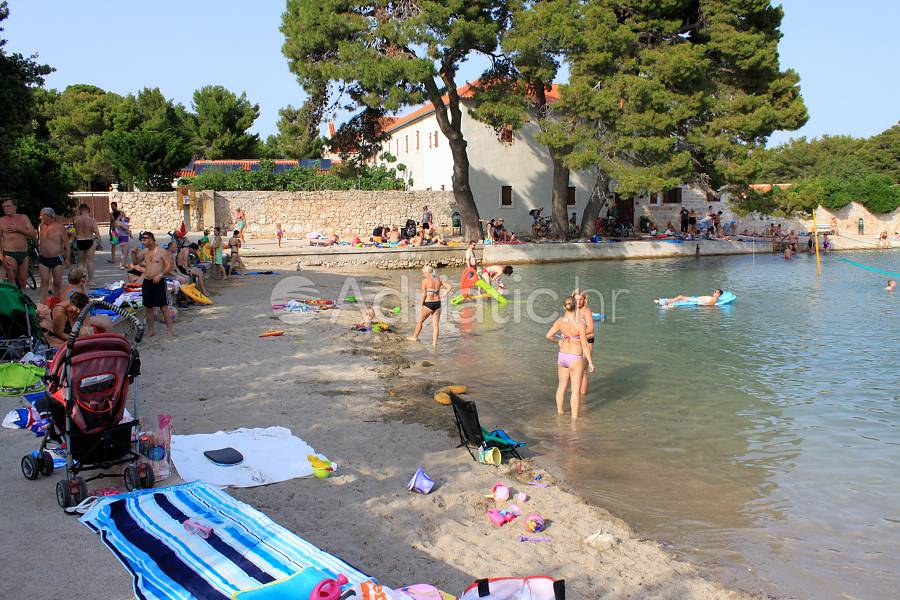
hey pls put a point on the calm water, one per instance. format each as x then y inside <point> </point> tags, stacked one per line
<point>761,438</point>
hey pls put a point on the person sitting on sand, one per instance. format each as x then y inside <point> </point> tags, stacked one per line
<point>494,274</point>
<point>502,234</point>
<point>670,229</point>
<point>431,304</point>
<point>135,270</point>
<point>186,271</point>
<point>63,316</point>
<point>700,300</point>
<point>77,282</point>
<point>891,285</point>
<point>394,235</point>
<point>573,351</point>
<point>378,234</point>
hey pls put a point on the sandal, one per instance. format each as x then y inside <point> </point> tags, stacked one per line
<point>83,506</point>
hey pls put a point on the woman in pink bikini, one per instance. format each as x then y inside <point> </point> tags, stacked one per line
<point>573,349</point>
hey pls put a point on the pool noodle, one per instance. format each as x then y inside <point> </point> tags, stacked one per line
<point>491,291</point>
<point>868,268</point>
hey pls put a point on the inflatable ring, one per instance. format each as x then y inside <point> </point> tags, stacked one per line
<point>318,302</point>
<point>190,290</point>
<point>442,398</point>
<point>456,389</point>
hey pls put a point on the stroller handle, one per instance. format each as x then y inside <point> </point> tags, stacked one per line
<point>86,311</point>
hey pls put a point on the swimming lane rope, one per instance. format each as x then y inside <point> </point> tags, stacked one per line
<point>868,268</point>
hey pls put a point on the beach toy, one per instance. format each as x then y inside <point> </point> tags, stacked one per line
<point>598,316</point>
<point>468,279</point>
<point>490,456</point>
<point>190,290</point>
<point>420,482</point>
<point>396,310</point>
<point>456,389</point>
<point>322,467</point>
<point>521,496</point>
<point>526,538</point>
<point>490,291</point>
<point>499,492</point>
<point>307,584</point>
<point>534,523</point>
<point>500,517</point>
<point>442,398</point>
<point>197,528</point>
<point>351,299</point>
<point>271,333</point>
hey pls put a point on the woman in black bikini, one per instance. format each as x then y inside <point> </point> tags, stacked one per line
<point>431,304</point>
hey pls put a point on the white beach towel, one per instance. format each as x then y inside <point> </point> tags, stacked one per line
<point>271,455</point>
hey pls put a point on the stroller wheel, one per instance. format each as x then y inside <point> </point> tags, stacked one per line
<point>148,479</point>
<point>82,489</point>
<point>132,478</point>
<point>31,468</point>
<point>46,464</point>
<point>64,494</point>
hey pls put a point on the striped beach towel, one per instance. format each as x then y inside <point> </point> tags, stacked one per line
<point>145,530</point>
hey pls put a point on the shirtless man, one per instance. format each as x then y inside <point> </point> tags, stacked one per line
<point>156,262</point>
<point>54,252</point>
<point>494,275</point>
<point>15,231</point>
<point>587,317</point>
<point>701,300</point>
<point>87,239</point>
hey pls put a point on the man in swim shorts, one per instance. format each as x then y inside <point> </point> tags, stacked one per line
<point>701,300</point>
<point>54,252</point>
<point>157,261</point>
<point>87,239</point>
<point>113,223</point>
<point>15,231</point>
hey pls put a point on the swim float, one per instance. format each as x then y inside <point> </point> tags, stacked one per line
<point>190,290</point>
<point>725,298</point>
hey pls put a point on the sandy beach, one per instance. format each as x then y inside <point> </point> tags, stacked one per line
<point>359,399</point>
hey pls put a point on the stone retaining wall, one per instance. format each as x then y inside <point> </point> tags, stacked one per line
<point>346,213</point>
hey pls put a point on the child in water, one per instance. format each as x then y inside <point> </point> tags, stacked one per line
<point>279,233</point>
<point>366,323</point>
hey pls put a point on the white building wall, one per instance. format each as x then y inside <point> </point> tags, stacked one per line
<point>523,164</point>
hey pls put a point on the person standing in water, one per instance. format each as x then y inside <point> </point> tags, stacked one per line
<point>431,304</point>
<point>573,350</point>
<point>587,318</point>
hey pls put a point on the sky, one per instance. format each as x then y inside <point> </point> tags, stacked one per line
<point>847,54</point>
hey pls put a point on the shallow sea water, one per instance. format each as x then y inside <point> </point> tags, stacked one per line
<point>762,439</point>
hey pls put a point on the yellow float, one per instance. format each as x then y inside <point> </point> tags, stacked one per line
<point>190,290</point>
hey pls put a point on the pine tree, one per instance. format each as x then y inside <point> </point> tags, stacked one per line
<point>377,57</point>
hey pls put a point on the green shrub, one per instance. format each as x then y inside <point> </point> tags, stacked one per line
<point>298,179</point>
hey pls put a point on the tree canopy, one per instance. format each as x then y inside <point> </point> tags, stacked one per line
<point>221,123</point>
<point>377,57</point>
<point>31,170</point>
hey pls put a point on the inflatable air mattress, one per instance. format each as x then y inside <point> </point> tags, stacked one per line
<point>725,298</point>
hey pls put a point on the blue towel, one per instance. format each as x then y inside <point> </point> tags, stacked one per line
<point>246,549</point>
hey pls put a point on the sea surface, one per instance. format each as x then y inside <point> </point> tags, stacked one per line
<point>760,439</point>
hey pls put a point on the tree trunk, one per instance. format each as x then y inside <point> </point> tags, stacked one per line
<point>560,197</point>
<point>451,126</point>
<point>599,198</point>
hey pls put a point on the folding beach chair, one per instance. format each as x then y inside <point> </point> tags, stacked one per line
<point>473,435</point>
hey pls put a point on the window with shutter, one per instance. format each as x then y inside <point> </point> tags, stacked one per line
<point>506,200</point>
<point>570,197</point>
<point>672,196</point>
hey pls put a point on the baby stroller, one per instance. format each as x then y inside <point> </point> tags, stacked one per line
<point>410,229</point>
<point>20,331</point>
<point>85,401</point>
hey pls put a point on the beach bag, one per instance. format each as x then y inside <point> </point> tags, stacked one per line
<point>20,378</point>
<point>513,588</point>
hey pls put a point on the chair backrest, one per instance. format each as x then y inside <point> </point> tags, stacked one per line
<point>18,315</point>
<point>467,415</point>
